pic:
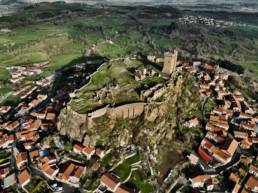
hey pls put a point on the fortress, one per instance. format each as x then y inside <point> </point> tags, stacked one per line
<point>133,110</point>
<point>128,111</point>
<point>170,61</point>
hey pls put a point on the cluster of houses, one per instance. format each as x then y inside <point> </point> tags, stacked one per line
<point>88,151</point>
<point>19,73</point>
<point>230,131</point>
<point>24,132</point>
<point>45,81</point>
<point>23,139</point>
<point>70,171</point>
<point>240,178</point>
<point>27,93</point>
<point>208,181</point>
<point>243,176</point>
<point>23,136</point>
<point>190,19</point>
<point>109,182</point>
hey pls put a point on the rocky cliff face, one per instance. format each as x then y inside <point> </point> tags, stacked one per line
<point>72,124</point>
<point>90,131</point>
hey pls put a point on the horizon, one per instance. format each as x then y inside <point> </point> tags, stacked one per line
<point>177,2</point>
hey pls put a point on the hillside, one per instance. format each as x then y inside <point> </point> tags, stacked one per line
<point>158,128</point>
<point>58,33</point>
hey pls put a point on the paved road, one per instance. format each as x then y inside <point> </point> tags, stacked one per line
<point>203,118</point>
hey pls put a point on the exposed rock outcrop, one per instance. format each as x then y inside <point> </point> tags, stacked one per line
<point>72,124</point>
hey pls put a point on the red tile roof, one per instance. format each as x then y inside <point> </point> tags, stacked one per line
<point>109,180</point>
<point>34,154</point>
<point>23,176</point>
<point>204,155</point>
<point>122,189</point>
<point>89,150</point>
<point>252,183</point>
<point>78,147</point>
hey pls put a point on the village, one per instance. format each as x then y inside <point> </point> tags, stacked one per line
<point>18,75</point>
<point>30,143</point>
<point>27,124</point>
<point>231,134</point>
<point>190,19</point>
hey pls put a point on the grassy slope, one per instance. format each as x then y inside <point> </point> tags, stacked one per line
<point>139,180</point>
<point>4,74</point>
<point>115,73</point>
<point>39,43</point>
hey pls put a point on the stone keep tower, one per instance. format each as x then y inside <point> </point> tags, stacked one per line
<point>170,61</point>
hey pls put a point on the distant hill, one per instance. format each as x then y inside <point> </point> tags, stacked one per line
<point>10,6</point>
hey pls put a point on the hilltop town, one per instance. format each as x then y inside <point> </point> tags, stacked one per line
<point>128,99</point>
<point>37,147</point>
<point>31,144</point>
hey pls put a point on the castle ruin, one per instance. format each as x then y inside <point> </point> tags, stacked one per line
<point>170,60</point>
<point>128,111</point>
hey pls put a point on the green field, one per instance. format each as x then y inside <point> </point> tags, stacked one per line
<point>60,43</point>
<point>252,67</point>
<point>4,91</point>
<point>123,170</point>
<point>107,159</point>
<point>44,44</point>
<point>66,39</point>
<point>24,59</point>
<point>139,180</point>
<point>49,40</point>
<point>4,74</point>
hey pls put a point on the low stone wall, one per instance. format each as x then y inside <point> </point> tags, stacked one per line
<point>98,113</point>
